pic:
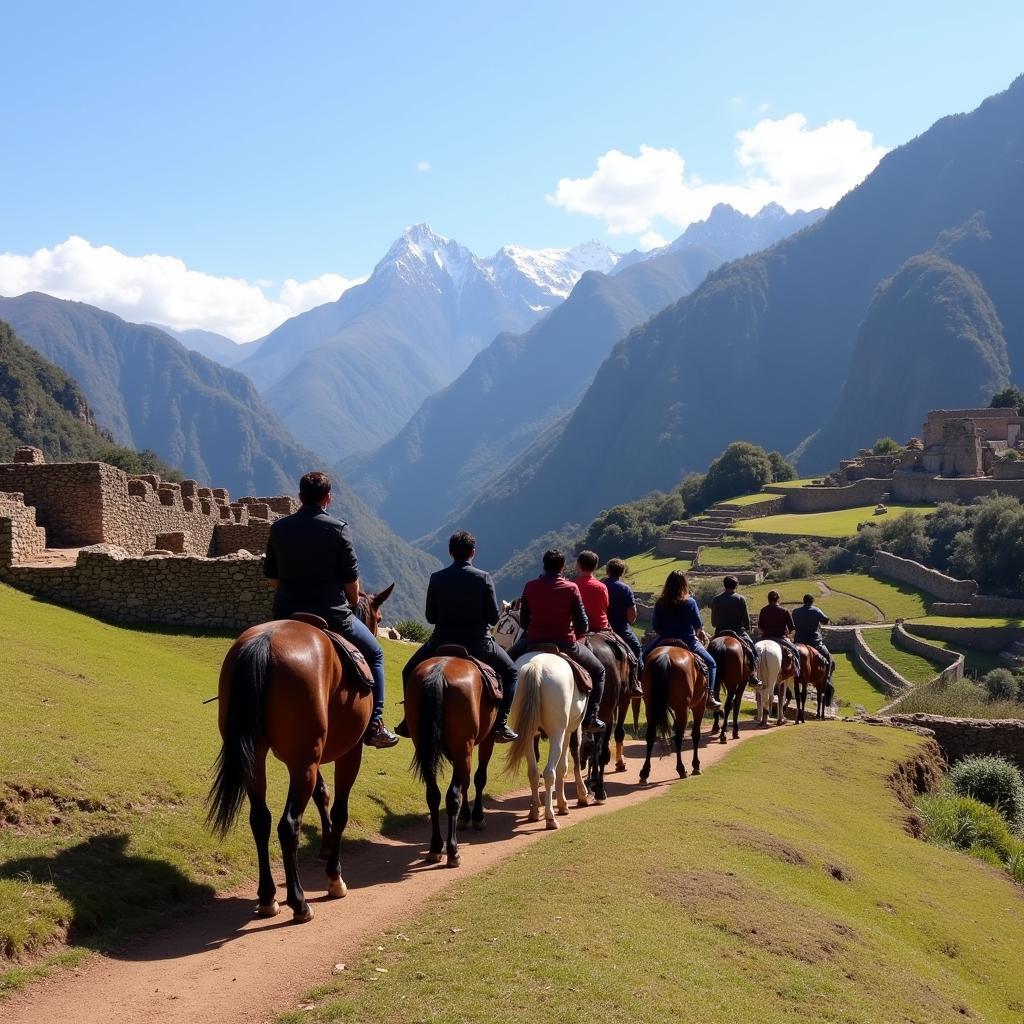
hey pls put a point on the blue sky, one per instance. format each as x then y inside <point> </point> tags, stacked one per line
<point>270,141</point>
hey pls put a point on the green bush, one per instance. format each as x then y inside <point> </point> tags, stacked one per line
<point>413,630</point>
<point>963,823</point>
<point>994,781</point>
<point>794,567</point>
<point>1001,684</point>
<point>886,446</point>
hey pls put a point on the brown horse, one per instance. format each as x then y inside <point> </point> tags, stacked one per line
<point>673,686</point>
<point>283,688</point>
<point>596,751</point>
<point>734,670</point>
<point>813,671</point>
<point>449,711</point>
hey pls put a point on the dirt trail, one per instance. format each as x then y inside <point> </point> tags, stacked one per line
<point>224,966</point>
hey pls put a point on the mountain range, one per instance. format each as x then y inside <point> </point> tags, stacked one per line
<point>214,346</point>
<point>823,332</point>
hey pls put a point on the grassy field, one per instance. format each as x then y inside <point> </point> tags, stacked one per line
<point>751,499</point>
<point>725,555</point>
<point>853,687</point>
<point>835,606</point>
<point>842,523</point>
<point>912,667</point>
<point>746,896</point>
<point>803,482</point>
<point>896,600</point>
<point>975,662</point>
<point>646,573</point>
<point>963,698</point>
<point>104,765</point>
<point>972,622</point>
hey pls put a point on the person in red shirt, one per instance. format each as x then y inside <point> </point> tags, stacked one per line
<point>593,592</point>
<point>775,622</point>
<point>552,612</point>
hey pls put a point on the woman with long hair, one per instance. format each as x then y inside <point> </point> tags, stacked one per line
<point>677,617</point>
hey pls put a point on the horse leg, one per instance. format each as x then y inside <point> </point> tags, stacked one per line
<point>635,702</point>
<point>260,821</point>
<point>556,743</point>
<point>462,767</point>
<point>582,796</point>
<point>724,712</point>
<point>736,711</point>
<point>434,804</point>
<point>465,811</point>
<point>346,769</point>
<point>677,743</point>
<point>645,771</point>
<point>620,736</point>
<point>300,789</point>
<point>723,737</point>
<point>605,755</point>
<point>698,717</point>
<point>322,799</point>
<point>532,771</point>
<point>781,699</point>
<point>480,780</point>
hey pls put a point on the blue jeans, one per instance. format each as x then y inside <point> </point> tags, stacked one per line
<point>700,650</point>
<point>352,629</point>
<point>632,642</point>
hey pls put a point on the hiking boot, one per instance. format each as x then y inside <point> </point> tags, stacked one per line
<point>402,729</point>
<point>714,703</point>
<point>379,735</point>
<point>503,732</point>
<point>594,724</point>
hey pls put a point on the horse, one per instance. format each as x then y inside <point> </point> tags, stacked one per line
<point>595,752</point>
<point>733,671</point>
<point>284,688</point>
<point>813,670</point>
<point>770,680</point>
<point>547,698</point>
<point>673,685</point>
<point>449,711</point>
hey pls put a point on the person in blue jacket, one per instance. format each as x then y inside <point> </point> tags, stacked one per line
<point>676,616</point>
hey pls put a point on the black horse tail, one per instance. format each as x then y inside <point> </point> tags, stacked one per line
<point>660,673</point>
<point>430,752</point>
<point>236,762</point>
<point>830,693</point>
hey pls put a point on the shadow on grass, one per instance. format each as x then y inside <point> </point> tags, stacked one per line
<point>112,892</point>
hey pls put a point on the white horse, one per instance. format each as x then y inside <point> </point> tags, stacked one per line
<point>769,668</point>
<point>547,698</point>
<point>509,629</point>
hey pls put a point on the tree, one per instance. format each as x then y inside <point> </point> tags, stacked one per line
<point>782,469</point>
<point>628,529</point>
<point>942,527</point>
<point>742,468</point>
<point>886,446</point>
<point>1009,398</point>
<point>998,542</point>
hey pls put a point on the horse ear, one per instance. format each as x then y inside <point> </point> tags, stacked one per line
<point>380,598</point>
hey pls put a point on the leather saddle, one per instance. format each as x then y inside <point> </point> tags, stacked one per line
<point>492,683</point>
<point>583,681</point>
<point>817,658</point>
<point>671,641</point>
<point>351,658</point>
<point>615,642</point>
<point>748,647</point>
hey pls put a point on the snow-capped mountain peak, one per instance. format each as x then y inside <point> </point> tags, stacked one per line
<point>549,274</point>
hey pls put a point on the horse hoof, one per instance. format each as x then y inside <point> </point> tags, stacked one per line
<point>454,860</point>
<point>563,811</point>
<point>434,858</point>
<point>271,909</point>
<point>325,852</point>
<point>682,774</point>
<point>336,888</point>
<point>735,735</point>
<point>723,739</point>
<point>550,824</point>
<point>598,800</point>
<point>301,917</point>
<point>643,780</point>
<point>534,814</point>
<point>620,766</point>
<point>696,771</point>
<point>479,826</point>
<point>583,801</point>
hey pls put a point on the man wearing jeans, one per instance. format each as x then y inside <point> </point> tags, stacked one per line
<point>311,559</point>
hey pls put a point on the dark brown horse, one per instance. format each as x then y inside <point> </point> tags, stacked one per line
<point>284,689</point>
<point>673,686</point>
<point>813,672</point>
<point>596,752</point>
<point>449,711</point>
<point>734,669</point>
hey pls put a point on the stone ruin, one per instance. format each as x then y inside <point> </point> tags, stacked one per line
<point>134,548</point>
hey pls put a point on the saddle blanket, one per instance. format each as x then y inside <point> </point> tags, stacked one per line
<point>492,683</point>
<point>581,675</point>
<point>351,658</point>
<point>702,669</point>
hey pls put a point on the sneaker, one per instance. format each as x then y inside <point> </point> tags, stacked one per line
<point>594,725</point>
<point>714,702</point>
<point>402,729</point>
<point>503,733</point>
<point>380,736</point>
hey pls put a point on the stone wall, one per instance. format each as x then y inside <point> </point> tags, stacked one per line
<point>931,581</point>
<point>20,538</point>
<point>227,593</point>
<point>980,638</point>
<point>991,424</point>
<point>850,640</point>
<point>961,737</point>
<point>950,662</point>
<point>922,487</point>
<point>251,537</point>
<point>983,605</point>
<point>1008,469</point>
<point>67,497</point>
<point>830,499</point>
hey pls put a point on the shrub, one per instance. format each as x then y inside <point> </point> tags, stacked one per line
<point>1012,455</point>
<point>963,823</point>
<point>1001,684</point>
<point>837,559</point>
<point>886,446</point>
<point>994,781</point>
<point>413,630</point>
<point>1009,398</point>
<point>794,567</point>
<point>705,591</point>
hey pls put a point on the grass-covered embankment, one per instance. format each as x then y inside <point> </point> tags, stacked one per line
<point>912,667</point>
<point>104,764</point>
<point>841,523</point>
<point>782,886</point>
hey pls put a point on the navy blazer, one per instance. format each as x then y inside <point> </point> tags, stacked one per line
<point>461,604</point>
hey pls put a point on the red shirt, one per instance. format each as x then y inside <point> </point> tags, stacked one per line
<point>774,621</point>
<point>552,610</point>
<point>595,602</point>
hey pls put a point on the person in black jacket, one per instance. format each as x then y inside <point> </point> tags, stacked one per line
<point>313,565</point>
<point>462,606</point>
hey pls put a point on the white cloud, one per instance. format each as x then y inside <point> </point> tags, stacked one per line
<point>780,161</point>
<point>651,240</point>
<point>423,166</point>
<point>162,289</point>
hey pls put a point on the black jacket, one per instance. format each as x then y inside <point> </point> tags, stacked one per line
<point>461,604</point>
<point>311,556</point>
<point>729,611</point>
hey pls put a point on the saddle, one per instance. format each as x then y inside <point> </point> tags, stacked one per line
<point>817,658</point>
<point>747,645</point>
<point>583,681</point>
<point>671,641</point>
<point>492,684</point>
<point>351,658</point>
<point>613,640</point>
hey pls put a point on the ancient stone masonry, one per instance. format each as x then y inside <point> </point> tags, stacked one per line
<point>931,581</point>
<point>962,737</point>
<point>214,578</point>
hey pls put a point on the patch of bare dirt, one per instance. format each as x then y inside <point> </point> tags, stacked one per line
<point>763,842</point>
<point>921,773</point>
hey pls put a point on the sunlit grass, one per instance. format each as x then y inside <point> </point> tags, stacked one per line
<point>841,523</point>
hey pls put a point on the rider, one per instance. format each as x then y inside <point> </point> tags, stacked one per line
<point>808,621</point>
<point>593,593</point>
<point>677,616</point>
<point>312,565</point>
<point>461,606</point>
<point>729,614</point>
<point>622,612</point>
<point>552,612</point>
<point>775,622</point>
